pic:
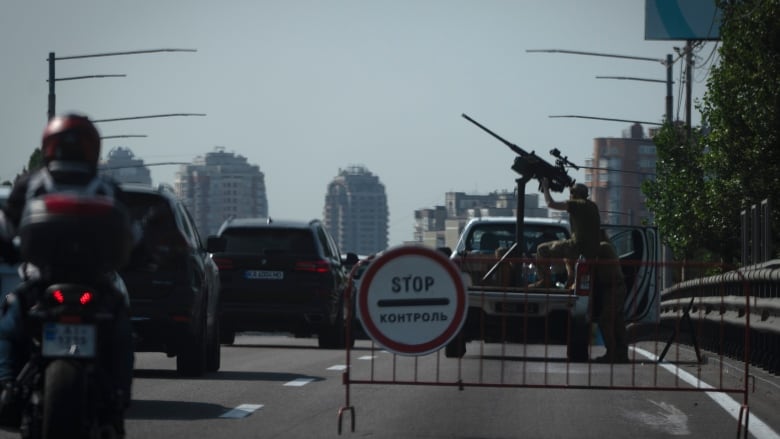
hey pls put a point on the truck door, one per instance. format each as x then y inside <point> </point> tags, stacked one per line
<point>639,251</point>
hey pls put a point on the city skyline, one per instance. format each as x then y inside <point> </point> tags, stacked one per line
<point>355,204</point>
<point>303,87</point>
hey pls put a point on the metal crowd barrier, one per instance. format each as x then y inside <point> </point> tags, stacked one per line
<point>733,315</point>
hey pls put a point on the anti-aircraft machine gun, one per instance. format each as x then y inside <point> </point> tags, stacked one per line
<point>530,165</point>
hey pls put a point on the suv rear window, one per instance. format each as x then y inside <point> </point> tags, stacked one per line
<point>269,240</point>
<point>162,238</point>
<point>161,225</point>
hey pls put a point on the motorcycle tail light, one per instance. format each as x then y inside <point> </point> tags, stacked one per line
<point>58,296</point>
<point>85,298</point>
<point>71,205</point>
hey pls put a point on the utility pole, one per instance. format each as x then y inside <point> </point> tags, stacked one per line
<point>668,63</point>
<point>669,110</point>
<point>688,85</point>
<point>52,78</point>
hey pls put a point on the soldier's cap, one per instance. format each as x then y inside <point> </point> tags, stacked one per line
<point>579,190</point>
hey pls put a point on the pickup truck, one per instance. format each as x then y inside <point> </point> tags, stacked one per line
<point>502,306</point>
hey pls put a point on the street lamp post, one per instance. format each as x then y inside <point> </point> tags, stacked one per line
<point>605,118</point>
<point>123,136</point>
<point>152,116</point>
<point>668,63</point>
<point>52,79</point>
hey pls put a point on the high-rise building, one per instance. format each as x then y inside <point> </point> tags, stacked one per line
<point>615,174</point>
<point>122,166</point>
<point>221,185</point>
<point>356,212</point>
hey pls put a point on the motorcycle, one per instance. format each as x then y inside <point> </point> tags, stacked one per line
<point>72,244</point>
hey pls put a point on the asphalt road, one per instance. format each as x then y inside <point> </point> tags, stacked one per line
<point>281,387</point>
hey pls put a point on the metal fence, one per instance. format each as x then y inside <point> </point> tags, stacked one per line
<point>732,314</point>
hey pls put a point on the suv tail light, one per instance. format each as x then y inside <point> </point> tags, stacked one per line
<point>318,266</point>
<point>224,263</point>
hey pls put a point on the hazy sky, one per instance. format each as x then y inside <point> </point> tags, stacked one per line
<point>305,88</point>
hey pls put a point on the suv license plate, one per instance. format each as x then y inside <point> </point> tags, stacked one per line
<point>264,275</point>
<point>68,340</point>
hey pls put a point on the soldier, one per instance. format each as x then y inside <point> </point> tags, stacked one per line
<point>585,223</point>
<point>608,300</point>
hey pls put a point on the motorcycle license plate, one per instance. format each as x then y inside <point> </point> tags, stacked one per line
<point>69,340</point>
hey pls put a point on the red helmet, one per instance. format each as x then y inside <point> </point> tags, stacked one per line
<point>71,137</point>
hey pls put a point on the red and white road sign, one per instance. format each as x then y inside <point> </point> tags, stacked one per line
<point>412,300</point>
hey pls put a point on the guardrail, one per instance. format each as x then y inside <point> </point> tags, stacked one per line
<point>733,313</point>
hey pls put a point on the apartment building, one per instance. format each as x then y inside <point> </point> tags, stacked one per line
<point>356,212</point>
<point>220,185</point>
<point>615,174</point>
<point>122,165</point>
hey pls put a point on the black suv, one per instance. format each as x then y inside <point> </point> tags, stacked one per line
<point>280,276</point>
<point>173,283</point>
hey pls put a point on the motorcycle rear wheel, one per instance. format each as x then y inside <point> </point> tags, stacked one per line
<point>64,400</point>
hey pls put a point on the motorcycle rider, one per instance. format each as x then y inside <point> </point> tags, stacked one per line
<point>71,149</point>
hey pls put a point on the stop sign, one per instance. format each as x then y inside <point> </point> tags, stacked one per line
<point>412,300</point>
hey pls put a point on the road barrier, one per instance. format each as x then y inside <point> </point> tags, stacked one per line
<point>733,314</point>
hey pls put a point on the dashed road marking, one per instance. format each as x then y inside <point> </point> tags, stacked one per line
<point>299,382</point>
<point>241,411</point>
<point>338,367</point>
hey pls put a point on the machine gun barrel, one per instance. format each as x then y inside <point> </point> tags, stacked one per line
<point>529,165</point>
<point>517,150</point>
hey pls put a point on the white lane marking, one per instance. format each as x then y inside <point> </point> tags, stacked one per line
<point>367,357</point>
<point>299,382</point>
<point>734,366</point>
<point>338,367</point>
<point>756,426</point>
<point>241,411</point>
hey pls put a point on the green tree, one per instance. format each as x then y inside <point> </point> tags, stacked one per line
<point>675,196</point>
<point>36,160</point>
<point>742,107</point>
<point>33,163</point>
<point>705,182</point>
